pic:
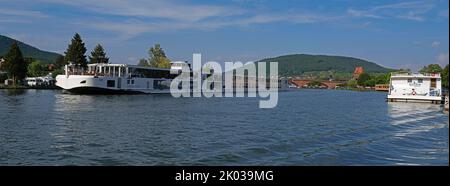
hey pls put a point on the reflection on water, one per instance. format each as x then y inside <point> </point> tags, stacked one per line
<point>308,127</point>
<point>419,121</point>
<point>15,92</point>
<point>416,117</point>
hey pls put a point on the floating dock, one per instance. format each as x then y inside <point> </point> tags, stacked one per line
<point>417,99</point>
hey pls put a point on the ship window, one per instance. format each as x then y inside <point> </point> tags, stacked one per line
<point>159,84</point>
<point>110,83</point>
<point>409,80</point>
<point>420,80</point>
<point>130,81</point>
<point>83,82</point>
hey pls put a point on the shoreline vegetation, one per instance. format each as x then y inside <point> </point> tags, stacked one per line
<point>14,67</point>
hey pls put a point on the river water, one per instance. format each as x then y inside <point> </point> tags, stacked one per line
<point>308,127</point>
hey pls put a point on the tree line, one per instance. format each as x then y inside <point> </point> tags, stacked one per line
<point>17,67</point>
<point>370,80</point>
<point>436,68</point>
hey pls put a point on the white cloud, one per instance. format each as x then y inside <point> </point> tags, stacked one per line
<point>366,24</point>
<point>132,18</point>
<point>435,44</point>
<point>413,16</point>
<point>133,27</point>
<point>22,13</point>
<point>414,11</point>
<point>444,14</point>
<point>442,59</point>
<point>363,13</point>
<point>166,9</point>
<point>13,20</point>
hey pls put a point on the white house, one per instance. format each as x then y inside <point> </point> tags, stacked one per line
<point>1,61</point>
<point>415,87</point>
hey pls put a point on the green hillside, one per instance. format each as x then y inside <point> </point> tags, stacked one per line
<point>297,64</point>
<point>27,50</point>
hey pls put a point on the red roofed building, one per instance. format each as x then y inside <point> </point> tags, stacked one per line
<point>51,66</point>
<point>358,71</point>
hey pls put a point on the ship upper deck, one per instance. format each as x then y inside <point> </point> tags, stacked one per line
<point>413,75</point>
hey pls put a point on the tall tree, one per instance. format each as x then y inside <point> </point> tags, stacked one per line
<point>158,57</point>
<point>431,68</point>
<point>15,65</point>
<point>98,55</point>
<point>60,62</point>
<point>76,51</point>
<point>444,77</point>
<point>143,62</point>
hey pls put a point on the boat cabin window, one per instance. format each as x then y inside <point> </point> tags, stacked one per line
<point>420,80</point>
<point>409,80</point>
<point>110,83</point>
<point>152,73</point>
<point>130,81</point>
<point>161,84</point>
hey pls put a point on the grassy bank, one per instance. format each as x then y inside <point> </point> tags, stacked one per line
<point>356,89</point>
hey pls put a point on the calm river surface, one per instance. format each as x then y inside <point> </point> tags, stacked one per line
<point>308,127</point>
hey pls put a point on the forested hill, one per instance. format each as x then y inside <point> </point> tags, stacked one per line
<point>297,64</point>
<point>27,50</point>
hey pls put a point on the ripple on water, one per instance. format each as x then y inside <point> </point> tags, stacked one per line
<point>308,127</point>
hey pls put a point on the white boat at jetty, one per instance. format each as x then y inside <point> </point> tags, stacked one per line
<point>415,88</point>
<point>103,78</point>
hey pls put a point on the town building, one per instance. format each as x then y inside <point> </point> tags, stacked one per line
<point>358,71</point>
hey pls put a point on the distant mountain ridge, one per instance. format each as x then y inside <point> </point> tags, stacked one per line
<point>297,64</point>
<point>28,51</point>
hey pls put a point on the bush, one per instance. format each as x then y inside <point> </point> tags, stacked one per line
<point>352,83</point>
<point>363,78</point>
<point>57,72</point>
<point>36,69</point>
<point>3,77</point>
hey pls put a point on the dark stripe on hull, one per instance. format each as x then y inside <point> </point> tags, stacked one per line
<point>96,90</point>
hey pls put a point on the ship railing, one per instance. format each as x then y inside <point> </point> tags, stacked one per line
<point>415,74</point>
<point>93,74</point>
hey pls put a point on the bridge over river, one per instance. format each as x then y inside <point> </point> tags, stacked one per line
<point>326,83</point>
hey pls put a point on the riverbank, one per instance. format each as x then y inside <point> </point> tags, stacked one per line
<point>358,89</point>
<point>343,88</point>
<point>2,86</point>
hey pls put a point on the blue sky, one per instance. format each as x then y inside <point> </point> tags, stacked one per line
<point>398,34</point>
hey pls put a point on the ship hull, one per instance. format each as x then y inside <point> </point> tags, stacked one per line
<point>97,90</point>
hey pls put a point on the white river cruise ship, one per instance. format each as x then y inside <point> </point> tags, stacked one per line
<point>103,78</point>
<point>114,78</point>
